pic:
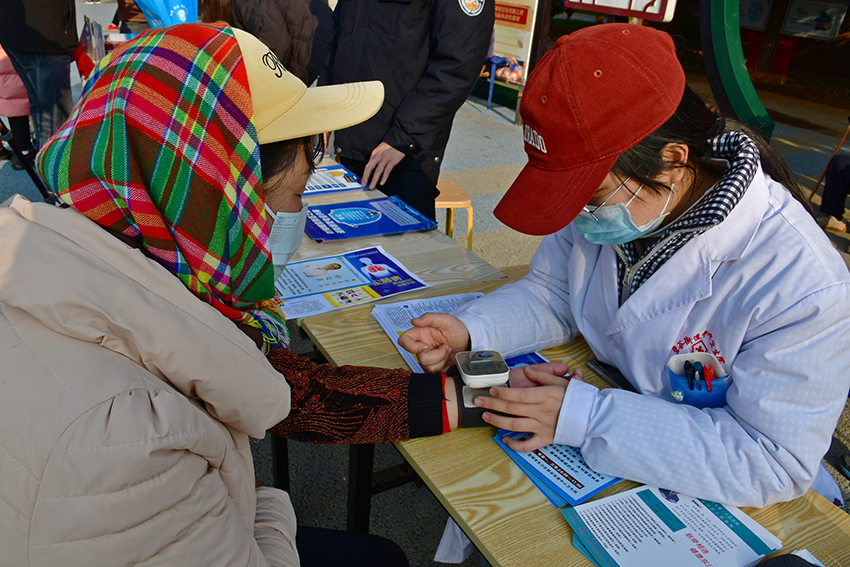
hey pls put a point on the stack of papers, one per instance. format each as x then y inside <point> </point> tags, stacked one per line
<point>647,526</point>
<point>559,471</point>
<point>330,179</point>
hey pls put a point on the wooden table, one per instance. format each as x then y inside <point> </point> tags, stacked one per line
<point>503,513</point>
<point>435,258</point>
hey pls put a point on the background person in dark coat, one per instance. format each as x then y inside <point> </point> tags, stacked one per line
<point>39,36</point>
<point>297,31</point>
<point>428,54</point>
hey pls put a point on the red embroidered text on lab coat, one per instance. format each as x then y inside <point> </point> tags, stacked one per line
<point>701,342</point>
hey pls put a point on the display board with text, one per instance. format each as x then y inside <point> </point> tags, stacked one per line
<point>654,10</point>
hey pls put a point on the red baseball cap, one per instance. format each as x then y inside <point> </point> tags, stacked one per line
<point>595,94</point>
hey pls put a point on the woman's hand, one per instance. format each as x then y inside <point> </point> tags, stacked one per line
<point>531,409</point>
<point>434,339</point>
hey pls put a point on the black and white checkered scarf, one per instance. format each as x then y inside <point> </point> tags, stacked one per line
<point>743,157</point>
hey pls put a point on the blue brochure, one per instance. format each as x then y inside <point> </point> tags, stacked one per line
<point>559,471</point>
<point>525,360</point>
<point>387,215</point>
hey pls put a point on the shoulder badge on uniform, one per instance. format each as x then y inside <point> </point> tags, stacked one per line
<point>471,7</point>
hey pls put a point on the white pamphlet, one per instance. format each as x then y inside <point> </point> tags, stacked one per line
<point>647,527</point>
<point>394,318</point>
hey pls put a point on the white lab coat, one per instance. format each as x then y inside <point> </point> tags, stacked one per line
<point>764,290</point>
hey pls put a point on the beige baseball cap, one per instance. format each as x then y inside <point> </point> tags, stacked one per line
<point>284,108</point>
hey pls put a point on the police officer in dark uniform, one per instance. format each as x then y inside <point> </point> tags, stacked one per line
<point>428,54</point>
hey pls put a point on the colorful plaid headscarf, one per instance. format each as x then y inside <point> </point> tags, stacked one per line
<point>162,148</point>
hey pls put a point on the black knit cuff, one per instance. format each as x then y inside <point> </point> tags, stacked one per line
<point>425,405</point>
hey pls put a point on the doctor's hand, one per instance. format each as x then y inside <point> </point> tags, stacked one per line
<point>519,376</point>
<point>382,161</point>
<point>434,339</point>
<point>533,410</point>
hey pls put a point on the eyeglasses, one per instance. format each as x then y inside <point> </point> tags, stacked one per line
<point>590,211</point>
<point>318,147</point>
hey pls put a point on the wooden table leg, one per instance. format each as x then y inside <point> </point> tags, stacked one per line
<point>360,464</point>
<point>280,462</point>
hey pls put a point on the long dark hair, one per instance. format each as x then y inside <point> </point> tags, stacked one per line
<point>694,124</point>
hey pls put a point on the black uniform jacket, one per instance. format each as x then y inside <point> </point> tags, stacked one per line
<point>287,27</point>
<point>427,53</point>
<point>45,27</point>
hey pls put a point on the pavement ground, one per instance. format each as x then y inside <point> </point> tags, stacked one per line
<point>484,156</point>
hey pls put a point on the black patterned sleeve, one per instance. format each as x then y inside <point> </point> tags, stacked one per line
<point>357,404</point>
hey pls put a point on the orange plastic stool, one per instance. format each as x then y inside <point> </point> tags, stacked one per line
<point>453,197</point>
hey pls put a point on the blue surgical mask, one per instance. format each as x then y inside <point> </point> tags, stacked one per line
<point>285,236</point>
<point>612,224</point>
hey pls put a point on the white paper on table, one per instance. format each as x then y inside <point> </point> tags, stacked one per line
<point>394,318</point>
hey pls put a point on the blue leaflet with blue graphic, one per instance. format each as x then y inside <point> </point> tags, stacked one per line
<point>525,360</point>
<point>559,471</point>
<point>387,215</point>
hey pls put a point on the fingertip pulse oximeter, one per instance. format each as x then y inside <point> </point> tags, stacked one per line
<point>482,368</point>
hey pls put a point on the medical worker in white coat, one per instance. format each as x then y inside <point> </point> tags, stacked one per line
<point>670,232</point>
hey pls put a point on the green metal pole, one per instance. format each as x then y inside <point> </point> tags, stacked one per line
<point>724,63</point>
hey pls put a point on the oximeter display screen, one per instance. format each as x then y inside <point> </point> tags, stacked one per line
<point>483,366</point>
<point>484,363</point>
<point>482,369</point>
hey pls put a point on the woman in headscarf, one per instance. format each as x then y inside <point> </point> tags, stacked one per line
<point>127,394</point>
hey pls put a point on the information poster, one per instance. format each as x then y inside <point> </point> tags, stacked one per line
<point>320,285</point>
<point>754,14</point>
<point>816,20</point>
<point>654,10</point>
<point>514,29</point>
<point>513,34</point>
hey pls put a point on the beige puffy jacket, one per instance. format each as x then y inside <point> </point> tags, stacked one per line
<point>125,409</point>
